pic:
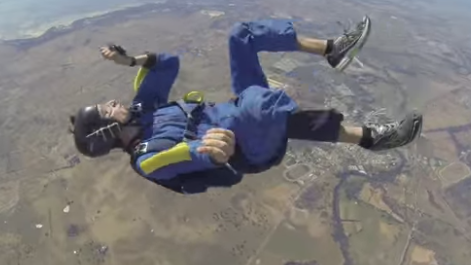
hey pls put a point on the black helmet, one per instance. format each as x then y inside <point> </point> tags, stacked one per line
<point>94,135</point>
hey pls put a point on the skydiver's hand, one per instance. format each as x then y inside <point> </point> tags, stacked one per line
<point>115,56</point>
<point>219,144</point>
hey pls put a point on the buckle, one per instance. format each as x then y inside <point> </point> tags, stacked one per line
<point>136,107</point>
<point>194,96</point>
<point>140,148</point>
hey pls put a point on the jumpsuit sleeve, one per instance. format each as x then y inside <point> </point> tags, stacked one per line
<point>153,84</point>
<point>180,159</point>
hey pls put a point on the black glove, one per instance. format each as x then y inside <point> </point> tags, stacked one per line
<point>121,51</point>
<point>117,48</point>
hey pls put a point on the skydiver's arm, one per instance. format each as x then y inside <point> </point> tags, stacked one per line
<point>214,150</point>
<point>118,55</point>
<point>141,60</point>
<point>182,158</point>
<point>156,76</point>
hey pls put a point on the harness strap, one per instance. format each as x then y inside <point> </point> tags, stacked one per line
<point>192,108</point>
<point>154,145</point>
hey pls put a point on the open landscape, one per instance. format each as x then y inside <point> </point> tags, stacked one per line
<point>325,205</point>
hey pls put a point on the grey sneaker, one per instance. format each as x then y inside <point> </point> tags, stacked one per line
<point>349,44</point>
<point>396,134</point>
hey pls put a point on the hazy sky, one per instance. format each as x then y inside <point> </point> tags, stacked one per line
<point>23,17</point>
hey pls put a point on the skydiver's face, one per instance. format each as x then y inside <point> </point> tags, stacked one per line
<point>114,110</point>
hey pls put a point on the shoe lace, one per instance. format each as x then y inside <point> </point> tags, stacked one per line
<point>350,34</point>
<point>378,116</point>
<point>385,125</point>
<point>347,28</point>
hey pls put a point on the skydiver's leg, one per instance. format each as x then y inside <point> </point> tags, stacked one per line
<point>340,51</point>
<point>246,40</point>
<point>327,126</point>
<point>273,35</point>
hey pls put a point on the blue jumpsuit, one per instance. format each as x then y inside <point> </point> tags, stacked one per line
<point>258,117</point>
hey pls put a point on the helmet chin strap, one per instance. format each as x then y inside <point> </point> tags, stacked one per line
<point>108,132</point>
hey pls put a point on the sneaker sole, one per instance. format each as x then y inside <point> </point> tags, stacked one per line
<point>358,46</point>
<point>419,130</point>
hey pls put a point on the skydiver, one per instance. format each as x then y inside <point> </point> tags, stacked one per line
<point>170,141</point>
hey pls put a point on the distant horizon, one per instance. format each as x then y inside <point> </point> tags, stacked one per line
<point>103,18</point>
<point>11,30</point>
